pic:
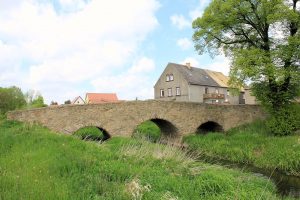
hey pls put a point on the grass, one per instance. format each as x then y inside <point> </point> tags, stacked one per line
<point>36,163</point>
<point>148,130</point>
<point>250,144</point>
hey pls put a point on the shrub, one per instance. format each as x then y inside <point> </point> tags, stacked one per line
<point>90,133</point>
<point>148,130</point>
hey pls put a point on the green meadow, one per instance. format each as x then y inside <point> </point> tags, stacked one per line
<point>36,163</point>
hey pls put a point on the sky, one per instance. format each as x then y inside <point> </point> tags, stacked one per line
<point>66,48</point>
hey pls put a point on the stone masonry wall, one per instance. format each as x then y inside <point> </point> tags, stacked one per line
<point>120,119</point>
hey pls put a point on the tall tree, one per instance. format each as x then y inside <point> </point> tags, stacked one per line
<point>10,99</point>
<point>262,38</point>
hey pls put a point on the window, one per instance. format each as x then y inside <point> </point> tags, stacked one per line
<point>162,93</point>
<point>206,90</point>
<point>228,93</point>
<point>217,91</point>
<point>167,78</point>
<point>169,92</point>
<point>171,77</point>
<point>177,91</point>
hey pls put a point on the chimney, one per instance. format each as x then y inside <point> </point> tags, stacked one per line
<point>188,65</point>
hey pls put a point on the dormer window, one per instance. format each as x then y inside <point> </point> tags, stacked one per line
<point>168,78</point>
<point>171,77</point>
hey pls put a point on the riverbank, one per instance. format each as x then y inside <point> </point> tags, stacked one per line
<point>36,163</point>
<point>249,144</point>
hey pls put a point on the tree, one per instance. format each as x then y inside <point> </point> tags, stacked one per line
<point>38,102</point>
<point>10,99</point>
<point>68,102</point>
<point>262,39</point>
<point>34,99</point>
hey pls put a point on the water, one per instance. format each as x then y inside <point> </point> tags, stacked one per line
<point>287,185</point>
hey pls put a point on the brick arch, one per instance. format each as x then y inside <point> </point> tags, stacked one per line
<point>209,126</point>
<point>167,128</point>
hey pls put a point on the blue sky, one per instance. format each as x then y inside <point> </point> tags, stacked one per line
<point>65,48</point>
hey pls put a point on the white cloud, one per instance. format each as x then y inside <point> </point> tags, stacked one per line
<point>180,21</point>
<point>131,84</point>
<point>198,11</point>
<point>66,49</point>
<point>219,64</point>
<point>193,61</point>
<point>184,43</point>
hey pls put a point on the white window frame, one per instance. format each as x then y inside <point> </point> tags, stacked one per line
<point>171,77</point>
<point>169,92</point>
<point>167,77</point>
<point>162,93</point>
<point>178,92</point>
<point>206,90</point>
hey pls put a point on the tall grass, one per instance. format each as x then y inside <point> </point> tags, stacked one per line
<point>251,144</point>
<point>36,163</point>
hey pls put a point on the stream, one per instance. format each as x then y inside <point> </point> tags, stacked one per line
<point>287,185</point>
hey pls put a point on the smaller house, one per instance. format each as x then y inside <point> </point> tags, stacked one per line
<point>93,98</point>
<point>78,100</point>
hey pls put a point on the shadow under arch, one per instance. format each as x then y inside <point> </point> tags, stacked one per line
<point>209,126</point>
<point>168,130</point>
<point>91,132</point>
<point>156,130</point>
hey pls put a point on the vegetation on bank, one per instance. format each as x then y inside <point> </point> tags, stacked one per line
<point>36,163</point>
<point>250,144</point>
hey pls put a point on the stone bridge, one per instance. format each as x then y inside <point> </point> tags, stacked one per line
<point>175,119</point>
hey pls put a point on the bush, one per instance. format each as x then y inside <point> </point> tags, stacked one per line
<point>90,133</point>
<point>285,121</point>
<point>148,130</point>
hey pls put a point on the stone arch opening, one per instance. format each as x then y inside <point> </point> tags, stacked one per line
<point>93,133</point>
<point>209,126</point>
<point>166,127</point>
<point>156,130</point>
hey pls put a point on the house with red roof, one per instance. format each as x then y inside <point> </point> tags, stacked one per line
<point>94,98</point>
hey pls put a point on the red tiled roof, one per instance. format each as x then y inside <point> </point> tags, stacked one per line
<point>101,97</point>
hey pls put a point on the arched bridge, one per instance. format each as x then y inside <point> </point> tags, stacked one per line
<point>175,119</point>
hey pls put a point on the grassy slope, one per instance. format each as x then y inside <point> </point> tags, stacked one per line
<point>251,144</point>
<point>38,164</point>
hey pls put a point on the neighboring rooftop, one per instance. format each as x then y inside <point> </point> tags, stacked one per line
<point>78,100</point>
<point>197,76</point>
<point>101,98</point>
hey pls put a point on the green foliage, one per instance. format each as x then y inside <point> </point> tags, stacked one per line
<point>90,133</point>
<point>38,164</point>
<point>248,33</point>
<point>10,99</point>
<point>38,102</point>
<point>34,99</point>
<point>148,130</point>
<point>285,121</point>
<point>68,102</point>
<point>250,144</point>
